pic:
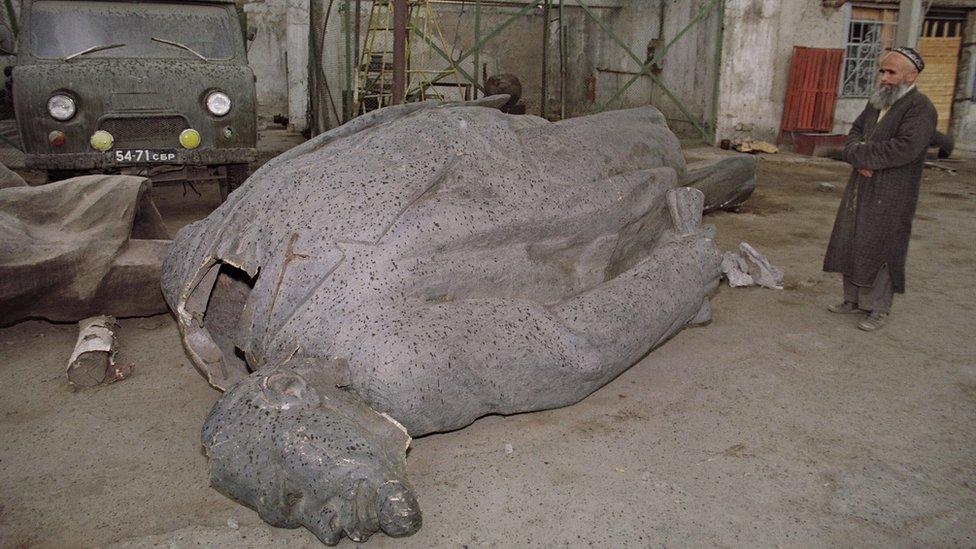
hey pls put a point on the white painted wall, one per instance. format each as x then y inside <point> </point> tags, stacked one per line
<point>278,55</point>
<point>759,37</point>
<point>757,49</point>
<point>267,55</point>
<point>747,107</point>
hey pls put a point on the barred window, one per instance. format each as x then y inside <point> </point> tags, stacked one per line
<point>871,32</point>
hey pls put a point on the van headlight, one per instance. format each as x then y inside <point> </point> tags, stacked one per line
<point>218,103</point>
<point>61,107</point>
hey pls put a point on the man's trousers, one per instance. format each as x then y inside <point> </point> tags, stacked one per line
<point>877,297</point>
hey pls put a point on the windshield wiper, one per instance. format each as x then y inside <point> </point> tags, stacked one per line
<point>92,49</point>
<point>181,46</point>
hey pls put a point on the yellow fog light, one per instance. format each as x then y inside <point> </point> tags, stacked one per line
<point>102,140</point>
<point>190,138</point>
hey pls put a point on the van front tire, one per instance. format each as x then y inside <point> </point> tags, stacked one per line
<point>59,175</point>
<point>236,174</point>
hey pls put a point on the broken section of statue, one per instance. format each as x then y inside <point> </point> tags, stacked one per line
<point>416,269</point>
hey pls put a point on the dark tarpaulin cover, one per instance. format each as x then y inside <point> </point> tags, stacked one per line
<point>79,247</point>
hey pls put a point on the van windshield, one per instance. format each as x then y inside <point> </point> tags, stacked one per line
<point>62,28</point>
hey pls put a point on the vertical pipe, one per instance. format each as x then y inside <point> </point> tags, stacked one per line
<point>544,100</point>
<point>356,56</point>
<point>347,93</point>
<point>399,51</point>
<point>661,40</point>
<point>477,52</point>
<point>717,72</point>
<point>562,63</point>
<point>358,15</point>
<point>311,68</point>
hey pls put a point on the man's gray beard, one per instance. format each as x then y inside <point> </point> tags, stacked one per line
<point>885,96</point>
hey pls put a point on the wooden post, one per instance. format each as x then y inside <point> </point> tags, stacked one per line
<point>544,103</point>
<point>399,51</point>
<point>477,52</point>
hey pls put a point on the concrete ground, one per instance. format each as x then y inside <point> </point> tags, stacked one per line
<point>779,424</point>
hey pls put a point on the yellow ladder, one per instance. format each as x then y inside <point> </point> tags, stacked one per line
<point>374,72</point>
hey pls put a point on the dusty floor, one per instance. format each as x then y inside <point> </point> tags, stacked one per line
<point>778,424</point>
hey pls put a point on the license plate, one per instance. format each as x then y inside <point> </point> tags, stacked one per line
<point>143,156</point>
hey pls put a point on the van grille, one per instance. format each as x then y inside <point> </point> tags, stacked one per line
<point>160,131</point>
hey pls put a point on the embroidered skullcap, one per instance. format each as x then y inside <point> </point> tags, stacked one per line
<point>913,56</point>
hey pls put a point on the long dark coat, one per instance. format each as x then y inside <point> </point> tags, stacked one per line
<point>874,220</point>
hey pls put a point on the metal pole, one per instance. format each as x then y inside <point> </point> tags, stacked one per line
<point>311,69</point>
<point>717,70</point>
<point>356,37</point>
<point>477,53</point>
<point>347,93</point>
<point>399,51</point>
<point>543,107</point>
<point>562,64</point>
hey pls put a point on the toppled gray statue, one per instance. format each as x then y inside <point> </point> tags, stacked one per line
<point>726,181</point>
<point>79,247</point>
<point>416,269</point>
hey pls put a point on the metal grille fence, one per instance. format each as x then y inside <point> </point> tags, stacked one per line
<point>860,63</point>
<point>572,57</point>
<point>158,130</point>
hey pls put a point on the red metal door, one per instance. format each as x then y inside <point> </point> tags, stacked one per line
<point>811,94</point>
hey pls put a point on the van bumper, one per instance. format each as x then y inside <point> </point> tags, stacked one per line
<point>108,160</point>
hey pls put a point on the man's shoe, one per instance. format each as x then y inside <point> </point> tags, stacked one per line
<point>844,308</point>
<point>873,321</point>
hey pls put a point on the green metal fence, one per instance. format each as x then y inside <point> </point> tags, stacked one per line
<point>555,48</point>
<point>703,122</point>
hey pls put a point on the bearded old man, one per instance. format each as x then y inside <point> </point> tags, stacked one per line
<point>886,147</point>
